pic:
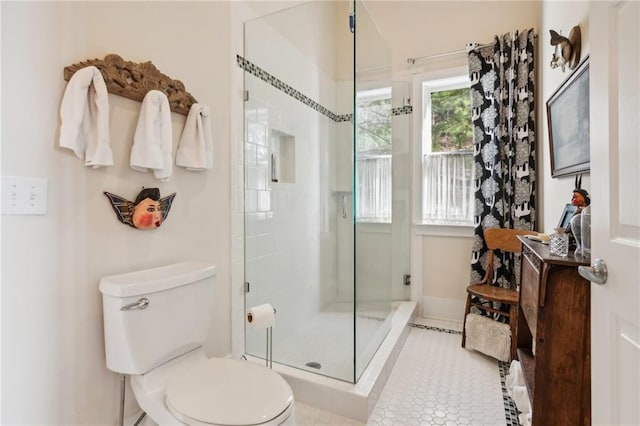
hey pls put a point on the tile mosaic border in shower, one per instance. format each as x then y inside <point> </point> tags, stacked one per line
<point>275,82</point>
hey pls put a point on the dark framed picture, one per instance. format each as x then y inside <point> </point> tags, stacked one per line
<point>567,214</point>
<point>568,123</point>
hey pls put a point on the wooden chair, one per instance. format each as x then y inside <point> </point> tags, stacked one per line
<point>504,240</point>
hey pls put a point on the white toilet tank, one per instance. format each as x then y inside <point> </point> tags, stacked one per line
<point>154,315</point>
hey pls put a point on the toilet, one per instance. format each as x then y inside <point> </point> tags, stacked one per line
<point>155,324</point>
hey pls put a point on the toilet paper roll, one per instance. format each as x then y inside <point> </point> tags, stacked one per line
<point>261,316</point>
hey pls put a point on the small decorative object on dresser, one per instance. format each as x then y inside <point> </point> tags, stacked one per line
<point>559,243</point>
<point>581,200</point>
<point>585,236</point>
<point>576,232</point>
<point>565,218</point>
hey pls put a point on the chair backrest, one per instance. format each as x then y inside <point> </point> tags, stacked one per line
<point>505,239</point>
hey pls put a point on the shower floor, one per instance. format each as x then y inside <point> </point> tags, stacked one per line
<point>341,397</point>
<point>327,339</point>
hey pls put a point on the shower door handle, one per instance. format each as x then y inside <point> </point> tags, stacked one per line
<point>344,206</point>
<point>274,170</point>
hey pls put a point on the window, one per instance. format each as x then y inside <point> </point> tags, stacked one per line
<point>447,152</point>
<point>373,156</point>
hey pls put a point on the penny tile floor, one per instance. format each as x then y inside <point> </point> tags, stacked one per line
<point>434,382</point>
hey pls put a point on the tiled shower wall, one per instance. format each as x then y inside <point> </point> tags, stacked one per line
<point>298,248</point>
<point>289,243</point>
<point>290,235</point>
<point>297,241</point>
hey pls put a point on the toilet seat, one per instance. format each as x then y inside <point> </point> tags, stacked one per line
<point>229,392</point>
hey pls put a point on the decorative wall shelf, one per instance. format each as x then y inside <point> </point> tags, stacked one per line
<point>133,80</point>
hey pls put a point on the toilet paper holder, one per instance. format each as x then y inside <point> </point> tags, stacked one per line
<point>250,316</point>
<point>268,354</point>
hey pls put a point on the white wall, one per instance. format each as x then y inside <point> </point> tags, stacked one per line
<point>53,368</point>
<point>556,192</point>
<point>445,274</point>
<point>416,29</point>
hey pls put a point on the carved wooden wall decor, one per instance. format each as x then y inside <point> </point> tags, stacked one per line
<point>133,81</point>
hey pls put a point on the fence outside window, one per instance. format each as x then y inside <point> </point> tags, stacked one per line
<point>447,188</point>
<point>373,191</point>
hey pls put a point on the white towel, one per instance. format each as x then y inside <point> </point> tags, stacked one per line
<point>515,376</point>
<point>521,398</point>
<point>525,419</point>
<point>195,150</point>
<point>84,114</point>
<point>152,142</point>
<point>488,336</point>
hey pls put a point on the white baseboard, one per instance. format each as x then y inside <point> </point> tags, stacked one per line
<point>444,309</point>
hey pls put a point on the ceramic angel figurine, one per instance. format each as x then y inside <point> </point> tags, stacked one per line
<point>148,211</point>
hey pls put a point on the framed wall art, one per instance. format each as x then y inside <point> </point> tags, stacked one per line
<point>568,123</point>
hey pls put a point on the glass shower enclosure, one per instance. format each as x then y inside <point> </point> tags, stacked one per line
<point>318,186</point>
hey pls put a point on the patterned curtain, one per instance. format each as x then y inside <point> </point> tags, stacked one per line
<point>503,110</point>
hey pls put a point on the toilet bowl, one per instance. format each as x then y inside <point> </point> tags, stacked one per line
<point>155,323</point>
<point>196,390</point>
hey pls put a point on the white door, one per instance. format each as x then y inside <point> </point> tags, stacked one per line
<point>614,30</point>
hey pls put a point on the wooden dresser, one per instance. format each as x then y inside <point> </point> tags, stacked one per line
<point>553,336</point>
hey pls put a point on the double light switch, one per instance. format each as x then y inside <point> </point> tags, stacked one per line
<point>24,195</point>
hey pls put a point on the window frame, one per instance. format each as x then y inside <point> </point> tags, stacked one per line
<point>421,146</point>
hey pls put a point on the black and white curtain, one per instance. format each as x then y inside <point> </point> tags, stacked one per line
<point>503,110</point>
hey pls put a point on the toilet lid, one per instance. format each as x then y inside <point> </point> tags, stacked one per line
<point>228,392</point>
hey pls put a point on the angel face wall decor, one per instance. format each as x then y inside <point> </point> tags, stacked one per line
<point>148,211</point>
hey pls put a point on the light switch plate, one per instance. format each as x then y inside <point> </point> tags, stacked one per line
<point>24,195</point>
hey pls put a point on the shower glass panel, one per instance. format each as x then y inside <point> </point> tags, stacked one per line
<point>372,186</point>
<point>303,241</point>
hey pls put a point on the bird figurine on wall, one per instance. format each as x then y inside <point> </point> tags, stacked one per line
<point>569,49</point>
<point>148,211</point>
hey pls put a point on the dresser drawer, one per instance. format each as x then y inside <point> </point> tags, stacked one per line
<point>530,289</point>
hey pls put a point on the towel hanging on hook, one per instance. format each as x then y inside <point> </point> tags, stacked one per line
<point>133,80</point>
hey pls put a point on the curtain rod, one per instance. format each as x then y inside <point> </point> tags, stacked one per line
<point>471,46</point>
<point>412,61</point>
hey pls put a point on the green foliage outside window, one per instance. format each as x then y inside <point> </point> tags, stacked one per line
<point>374,127</point>
<point>450,123</point>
